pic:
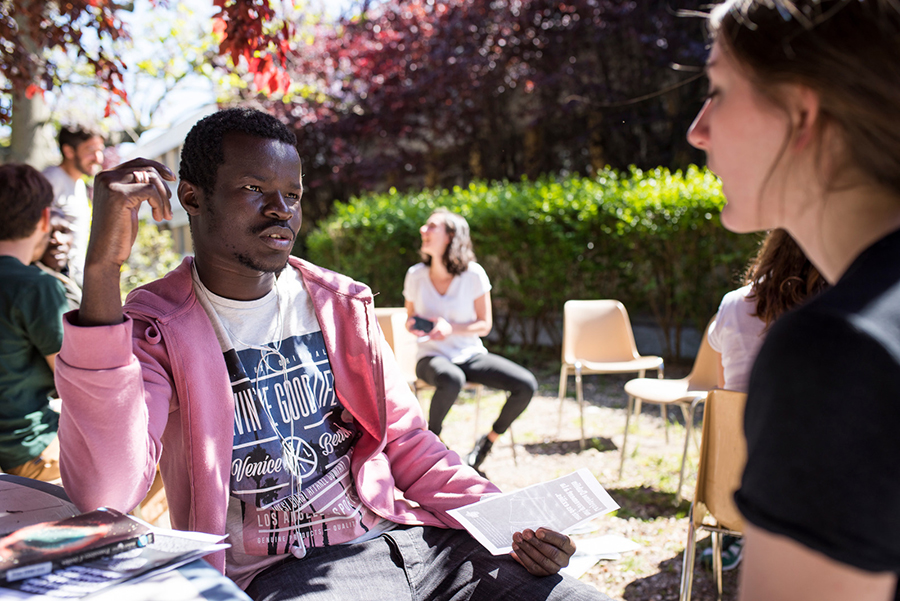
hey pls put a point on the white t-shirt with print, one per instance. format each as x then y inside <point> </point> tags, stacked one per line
<point>291,487</point>
<point>457,305</point>
<point>737,334</point>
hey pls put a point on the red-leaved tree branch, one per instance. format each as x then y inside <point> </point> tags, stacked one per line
<point>252,30</point>
<point>30,30</point>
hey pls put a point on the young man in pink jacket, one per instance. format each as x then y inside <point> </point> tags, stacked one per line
<point>262,387</point>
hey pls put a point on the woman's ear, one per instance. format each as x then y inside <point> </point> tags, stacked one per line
<point>190,196</point>
<point>806,116</point>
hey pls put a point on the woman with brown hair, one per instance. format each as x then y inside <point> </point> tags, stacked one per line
<point>801,126</point>
<point>448,300</point>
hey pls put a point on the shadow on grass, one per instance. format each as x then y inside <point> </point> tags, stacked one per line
<point>645,503</point>
<point>564,447</point>
<point>666,583</point>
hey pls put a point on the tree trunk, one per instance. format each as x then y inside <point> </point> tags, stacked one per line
<point>33,138</point>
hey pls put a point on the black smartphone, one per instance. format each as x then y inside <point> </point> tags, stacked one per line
<point>422,324</point>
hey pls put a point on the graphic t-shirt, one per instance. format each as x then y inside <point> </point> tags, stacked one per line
<point>291,487</point>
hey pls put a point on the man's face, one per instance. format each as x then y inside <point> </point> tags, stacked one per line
<point>56,257</point>
<point>249,223</point>
<point>87,156</point>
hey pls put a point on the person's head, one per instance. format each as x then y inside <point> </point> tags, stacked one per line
<point>203,150</point>
<point>25,197</point>
<point>801,92</point>
<point>446,235</point>
<point>82,149</point>
<point>56,255</point>
<point>240,185</point>
<point>781,277</point>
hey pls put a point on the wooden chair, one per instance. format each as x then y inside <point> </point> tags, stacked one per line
<point>405,347</point>
<point>686,393</point>
<point>383,314</point>
<point>155,505</point>
<point>598,339</point>
<point>723,454</point>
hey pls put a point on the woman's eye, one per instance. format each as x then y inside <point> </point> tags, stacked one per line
<point>253,188</point>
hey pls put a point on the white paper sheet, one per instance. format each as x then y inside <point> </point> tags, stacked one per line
<point>591,550</point>
<point>561,504</point>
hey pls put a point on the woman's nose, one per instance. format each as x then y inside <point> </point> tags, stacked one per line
<point>698,132</point>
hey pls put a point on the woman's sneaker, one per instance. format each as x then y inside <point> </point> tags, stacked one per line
<point>477,455</point>
<point>732,551</point>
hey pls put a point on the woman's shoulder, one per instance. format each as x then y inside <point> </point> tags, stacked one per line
<point>418,270</point>
<point>736,306</point>
<point>474,269</point>
<point>736,297</point>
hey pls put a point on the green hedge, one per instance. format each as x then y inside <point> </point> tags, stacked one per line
<point>651,239</point>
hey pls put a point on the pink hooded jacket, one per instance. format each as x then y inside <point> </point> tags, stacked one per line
<point>155,390</point>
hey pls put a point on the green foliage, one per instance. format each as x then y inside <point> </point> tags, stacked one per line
<point>650,239</point>
<point>152,256</point>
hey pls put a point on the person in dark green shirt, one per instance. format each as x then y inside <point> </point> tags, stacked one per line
<point>31,307</point>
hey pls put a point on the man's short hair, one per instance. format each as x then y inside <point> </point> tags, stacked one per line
<point>73,135</point>
<point>202,152</point>
<point>24,194</point>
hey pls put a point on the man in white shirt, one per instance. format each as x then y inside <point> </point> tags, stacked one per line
<point>82,151</point>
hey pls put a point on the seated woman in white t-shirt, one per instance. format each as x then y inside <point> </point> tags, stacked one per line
<point>778,279</point>
<point>452,292</point>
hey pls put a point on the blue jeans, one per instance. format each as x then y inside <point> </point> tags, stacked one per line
<point>489,369</point>
<point>412,563</point>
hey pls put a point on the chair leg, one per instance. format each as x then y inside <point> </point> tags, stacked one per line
<point>689,429</point>
<point>717,562</point>
<point>687,564</point>
<point>478,392</point>
<point>512,442</point>
<point>563,384</point>
<point>628,410</point>
<point>665,417</point>
<point>580,394</point>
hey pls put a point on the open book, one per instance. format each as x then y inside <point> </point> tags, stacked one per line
<point>41,548</point>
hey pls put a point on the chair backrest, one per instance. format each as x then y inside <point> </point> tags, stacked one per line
<point>723,454</point>
<point>597,330</point>
<point>384,321</point>
<point>405,346</point>
<point>705,372</point>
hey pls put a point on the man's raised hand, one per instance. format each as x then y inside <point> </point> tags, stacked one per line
<point>118,195</point>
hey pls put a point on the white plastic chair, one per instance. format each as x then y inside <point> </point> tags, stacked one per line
<point>598,339</point>
<point>686,393</point>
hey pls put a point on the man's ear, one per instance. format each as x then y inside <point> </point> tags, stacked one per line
<point>68,152</point>
<point>44,223</point>
<point>191,197</point>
